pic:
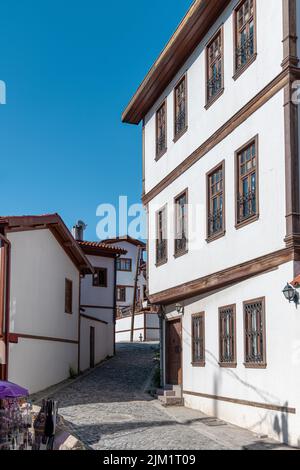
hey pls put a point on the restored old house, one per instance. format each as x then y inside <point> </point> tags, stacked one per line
<point>222,192</point>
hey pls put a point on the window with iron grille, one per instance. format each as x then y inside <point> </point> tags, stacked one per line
<point>227,329</point>
<point>181,208</point>
<point>100,277</point>
<point>215,198</point>
<point>255,335</point>
<point>247,183</point>
<point>124,264</point>
<point>68,296</point>
<point>161,130</point>
<point>198,339</point>
<point>161,237</point>
<point>245,25</point>
<point>180,105</point>
<point>214,67</point>
<point>121,294</point>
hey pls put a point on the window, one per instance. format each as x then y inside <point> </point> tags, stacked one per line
<point>124,264</point>
<point>181,208</point>
<point>255,335</point>
<point>121,294</point>
<point>245,34</point>
<point>247,183</point>
<point>198,340</point>
<point>216,202</point>
<point>227,330</point>
<point>180,108</point>
<point>100,277</point>
<point>161,237</point>
<point>214,57</point>
<point>161,130</point>
<point>68,296</point>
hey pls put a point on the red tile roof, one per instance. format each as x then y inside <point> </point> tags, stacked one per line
<point>102,247</point>
<point>126,238</point>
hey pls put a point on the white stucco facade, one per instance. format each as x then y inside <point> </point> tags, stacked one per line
<point>146,328</point>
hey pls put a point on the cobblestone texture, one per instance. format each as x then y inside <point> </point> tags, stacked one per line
<point>108,410</point>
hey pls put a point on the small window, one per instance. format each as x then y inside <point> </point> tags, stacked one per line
<point>68,296</point>
<point>227,325</point>
<point>247,183</point>
<point>181,230</point>
<point>198,340</point>
<point>161,130</point>
<point>121,294</point>
<point>216,202</point>
<point>180,108</point>
<point>124,264</point>
<point>245,34</point>
<point>255,334</point>
<point>214,57</point>
<point>100,277</point>
<point>161,237</point>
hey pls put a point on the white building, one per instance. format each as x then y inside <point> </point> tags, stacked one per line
<point>41,266</point>
<point>221,188</point>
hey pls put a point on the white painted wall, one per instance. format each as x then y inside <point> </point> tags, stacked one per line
<point>123,328</point>
<point>104,342</point>
<point>203,123</point>
<point>204,258</point>
<point>39,267</point>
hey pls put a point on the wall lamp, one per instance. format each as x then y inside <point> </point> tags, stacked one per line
<point>291,294</point>
<point>180,309</point>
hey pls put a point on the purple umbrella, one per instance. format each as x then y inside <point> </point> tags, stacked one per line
<point>10,390</point>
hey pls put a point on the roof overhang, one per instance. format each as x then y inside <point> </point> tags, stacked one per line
<point>56,225</point>
<point>101,249</point>
<point>126,238</point>
<point>192,29</point>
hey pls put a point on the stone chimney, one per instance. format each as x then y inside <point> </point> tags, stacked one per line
<point>78,230</point>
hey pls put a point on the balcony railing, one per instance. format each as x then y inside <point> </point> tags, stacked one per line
<point>247,205</point>
<point>161,251</point>
<point>180,244</point>
<point>245,50</point>
<point>214,85</point>
<point>180,122</point>
<point>161,144</point>
<point>215,222</point>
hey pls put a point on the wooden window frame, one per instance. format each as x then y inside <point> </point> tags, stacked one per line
<point>124,270</point>
<point>211,100</point>
<point>125,291</point>
<point>242,223</point>
<point>163,260</point>
<point>68,291</point>
<point>184,251</point>
<point>202,362</point>
<point>263,363</point>
<point>238,71</point>
<point>158,153</point>
<point>212,237</point>
<point>178,135</point>
<point>232,364</point>
<point>104,270</point>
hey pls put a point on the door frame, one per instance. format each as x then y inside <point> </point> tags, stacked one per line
<point>168,321</point>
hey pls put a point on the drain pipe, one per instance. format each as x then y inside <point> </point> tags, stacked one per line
<point>7,270</point>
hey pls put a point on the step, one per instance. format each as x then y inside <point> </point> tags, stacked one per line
<point>170,401</point>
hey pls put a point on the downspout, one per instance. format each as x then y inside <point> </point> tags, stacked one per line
<point>115,301</point>
<point>7,255</point>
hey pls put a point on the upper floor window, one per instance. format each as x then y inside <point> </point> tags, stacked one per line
<point>215,198</point>
<point>180,108</point>
<point>68,296</point>
<point>121,294</point>
<point>245,34</point>
<point>100,277</point>
<point>214,67</point>
<point>198,339</point>
<point>247,183</point>
<point>124,264</point>
<point>161,236</point>
<point>181,235</point>
<point>255,334</point>
<point>161,130</point>
<point>227,331</point>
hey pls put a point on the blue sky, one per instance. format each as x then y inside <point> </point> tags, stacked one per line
<point>70,68</point>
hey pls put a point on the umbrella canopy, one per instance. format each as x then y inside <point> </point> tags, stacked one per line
<point>10,390</point>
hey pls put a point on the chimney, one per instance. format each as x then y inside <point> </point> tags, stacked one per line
<point>78,230</point>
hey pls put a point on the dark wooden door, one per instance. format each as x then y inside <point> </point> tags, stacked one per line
<point>174,352</point>
<point>92,347</point>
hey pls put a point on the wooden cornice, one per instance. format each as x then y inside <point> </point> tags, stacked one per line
<point>198,20</point>
<point>226,277</point>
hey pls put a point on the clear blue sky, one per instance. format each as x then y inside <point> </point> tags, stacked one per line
<point>70,68</point>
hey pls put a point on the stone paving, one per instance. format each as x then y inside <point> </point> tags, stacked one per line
<point>109,409</point>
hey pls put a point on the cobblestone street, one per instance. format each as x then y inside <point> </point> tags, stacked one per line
<point>108,409</point>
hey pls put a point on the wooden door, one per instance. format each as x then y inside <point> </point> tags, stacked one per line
<point>92,347</point>
<point>174,352</point>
